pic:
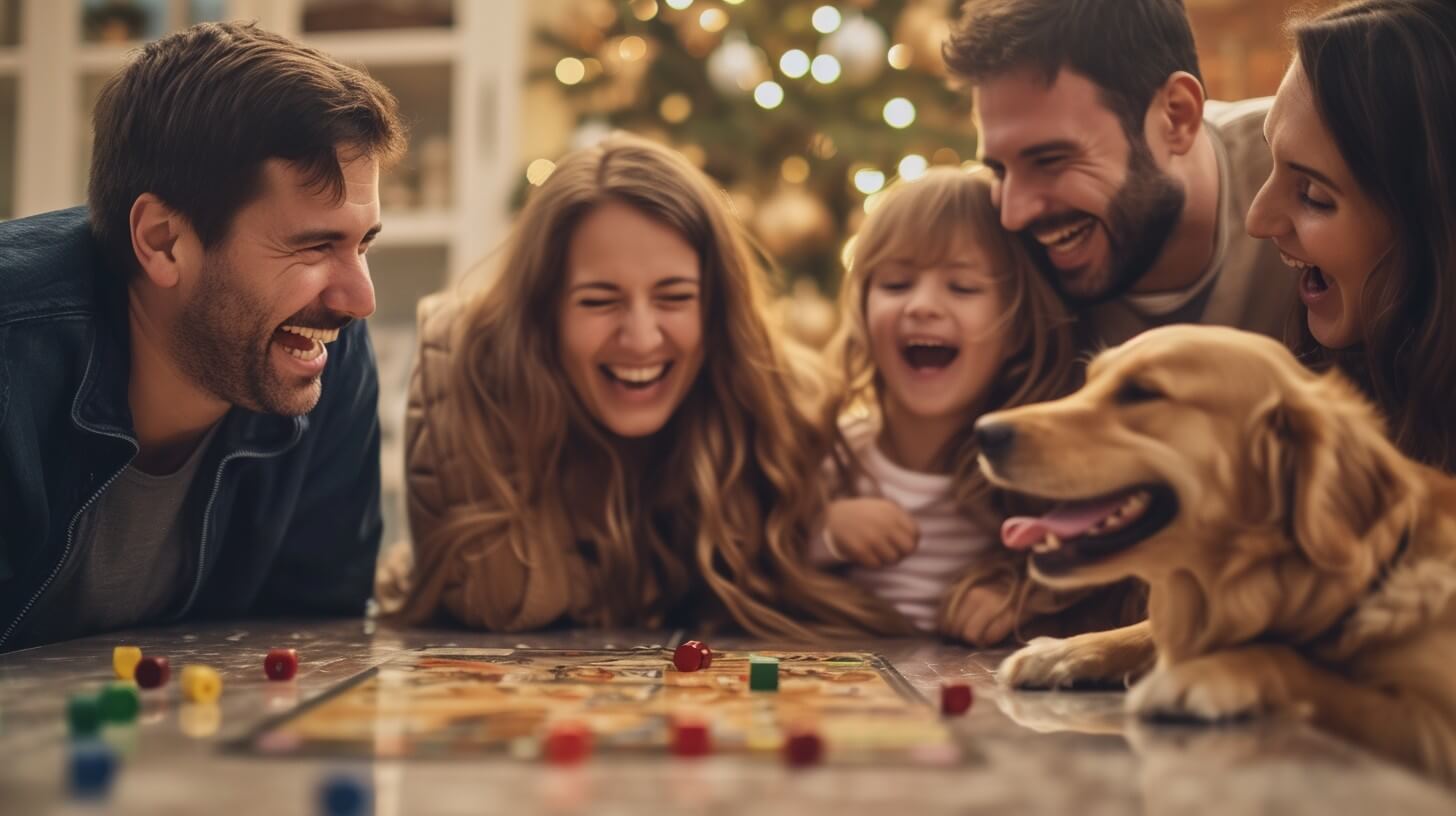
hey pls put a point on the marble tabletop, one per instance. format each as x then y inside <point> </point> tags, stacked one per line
<point>1033,752</point>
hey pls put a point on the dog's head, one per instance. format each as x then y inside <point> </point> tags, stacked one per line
<point>1183,442</point>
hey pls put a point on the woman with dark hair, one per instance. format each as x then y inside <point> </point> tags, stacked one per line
<point>1362,203</point>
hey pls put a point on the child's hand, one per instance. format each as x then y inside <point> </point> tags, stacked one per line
<point>871,532</point>
<point>986,617</point>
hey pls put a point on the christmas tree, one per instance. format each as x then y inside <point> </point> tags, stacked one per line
<point>801,110</point>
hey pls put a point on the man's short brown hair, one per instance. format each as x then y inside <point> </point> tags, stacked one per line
<point>1128,48</point>
<point>192,119</point>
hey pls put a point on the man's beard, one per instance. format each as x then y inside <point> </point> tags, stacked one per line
<point>1140,219</point>
<point>223,343</point>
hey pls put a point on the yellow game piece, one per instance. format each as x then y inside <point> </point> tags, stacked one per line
<point>124,660</point>
<point>201,684</point>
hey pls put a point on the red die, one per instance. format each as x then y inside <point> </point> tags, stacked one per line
<point>955,698</point>
<point>280,664</point>
<point>803,748</point>
<point>152,672</point>
<point>692,655</point>
<point>691,738</point>
<point>568,743</point>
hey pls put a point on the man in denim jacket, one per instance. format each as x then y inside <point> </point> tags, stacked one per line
<point>188,399</point>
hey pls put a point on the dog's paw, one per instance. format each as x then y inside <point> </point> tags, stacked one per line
<point>1048,663</point>
<point>1213,688</point>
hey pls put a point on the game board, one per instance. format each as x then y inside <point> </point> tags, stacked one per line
<point>480,702</point>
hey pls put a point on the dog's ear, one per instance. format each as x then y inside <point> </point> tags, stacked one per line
<point>1350,487</point>
<point>1266,498</point>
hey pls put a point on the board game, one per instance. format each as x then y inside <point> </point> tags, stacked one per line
<point>454,703</point>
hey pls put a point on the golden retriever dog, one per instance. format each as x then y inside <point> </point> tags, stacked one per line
<point>1296,561</point>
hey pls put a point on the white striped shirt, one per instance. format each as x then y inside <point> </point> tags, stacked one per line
<point>948,543</point>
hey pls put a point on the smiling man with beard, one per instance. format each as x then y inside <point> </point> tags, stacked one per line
<point>1129,187</point>
<point>188,400</point>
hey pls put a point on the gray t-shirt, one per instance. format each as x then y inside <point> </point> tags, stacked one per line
<point>136,544</point>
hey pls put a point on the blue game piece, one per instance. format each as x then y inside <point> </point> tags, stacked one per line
<point>344,795</point>
<point>93,766</point>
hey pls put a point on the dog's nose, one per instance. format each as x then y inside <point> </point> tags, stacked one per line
<point>995,438</point>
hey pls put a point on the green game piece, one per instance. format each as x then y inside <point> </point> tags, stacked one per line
<point>119,703</point>
<point>83,713</point>
<point>763,673</point>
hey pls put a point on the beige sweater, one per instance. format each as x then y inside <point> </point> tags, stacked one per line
<point>491,587</point>
<point>1245,284</point>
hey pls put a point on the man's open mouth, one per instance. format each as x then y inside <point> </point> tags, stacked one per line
<point>637,377</point>
<point>304,342</point>
<point>924,354</point>
<point>1078,533</point>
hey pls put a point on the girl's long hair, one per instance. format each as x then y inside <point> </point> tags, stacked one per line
<point>722,499</point>
<point>1381,72</point>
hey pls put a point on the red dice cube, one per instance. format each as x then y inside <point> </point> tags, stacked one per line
<point>691,738</point>
<point>280,664</point>
<point>152,672</point>
<point>568,743</point>
<point>803,748</point>
<point>955,698</point>
<point>692,655</point>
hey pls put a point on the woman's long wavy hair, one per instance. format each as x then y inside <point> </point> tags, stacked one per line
<point>1382,73</point>
<point>926,220</point>
<point>724,497</point>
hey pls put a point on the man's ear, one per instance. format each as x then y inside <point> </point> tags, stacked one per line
<point>161,240</point>
<point>1177,113</point>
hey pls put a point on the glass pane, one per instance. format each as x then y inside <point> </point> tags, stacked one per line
<point>9,22</point>
<point>7,147</point>
<point>402,275</point>
<point>206,11</point>
<point>120,21</point>
<point>357,15</point>
<point>422,179</point>
<point>90,90</point>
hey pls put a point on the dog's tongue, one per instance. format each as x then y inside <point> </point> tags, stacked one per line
<point>1066,521</point>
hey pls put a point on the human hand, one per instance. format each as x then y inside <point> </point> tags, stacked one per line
<point>871,532</point>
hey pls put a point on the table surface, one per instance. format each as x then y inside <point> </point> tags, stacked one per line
<point>1036,752</point>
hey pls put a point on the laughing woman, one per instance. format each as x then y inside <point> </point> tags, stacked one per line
<point>610,434</point>
<point>1362,202</point>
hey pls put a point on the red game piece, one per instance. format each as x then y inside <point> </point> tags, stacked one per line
<point>280,664</point>
<point>955,698</point>
<point>152,672</point>
<point>691,738</point>
<point>803,748</point>
<point>692,655</point>
<point>568,743</point>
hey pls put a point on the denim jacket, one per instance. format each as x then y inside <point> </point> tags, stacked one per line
<point>290,522</point>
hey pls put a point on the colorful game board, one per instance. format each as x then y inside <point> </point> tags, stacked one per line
<point>475,702</point>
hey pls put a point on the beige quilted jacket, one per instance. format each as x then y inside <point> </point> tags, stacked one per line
<point>487,587</point>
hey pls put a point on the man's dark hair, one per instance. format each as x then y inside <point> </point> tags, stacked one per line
<point>1128,48</point>
<point>194,116</point>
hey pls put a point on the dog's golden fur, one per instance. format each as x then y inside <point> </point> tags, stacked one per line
<point>1310,567</point>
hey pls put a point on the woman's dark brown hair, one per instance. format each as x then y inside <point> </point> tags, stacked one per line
<point>1382,74</point>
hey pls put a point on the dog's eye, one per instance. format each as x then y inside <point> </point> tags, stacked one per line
<point>1133,392</point>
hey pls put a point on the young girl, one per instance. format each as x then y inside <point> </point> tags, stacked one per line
<point>610,434</point>
<point>946,318</point>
